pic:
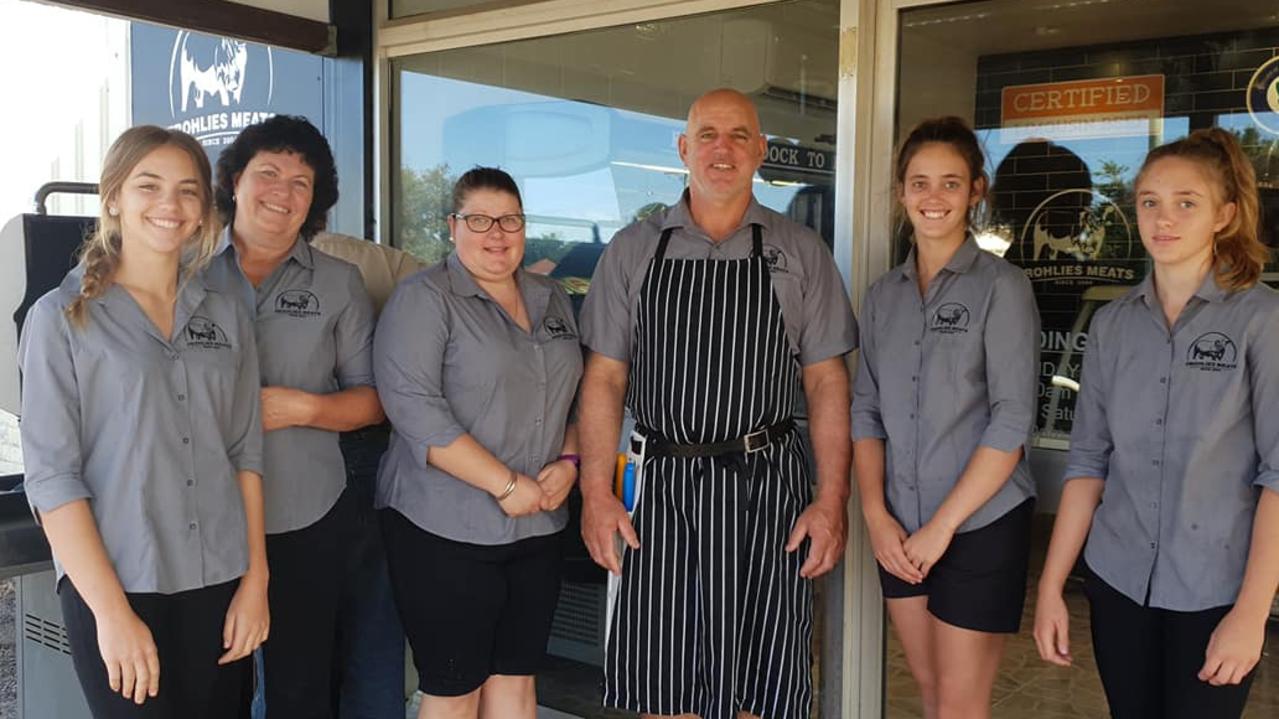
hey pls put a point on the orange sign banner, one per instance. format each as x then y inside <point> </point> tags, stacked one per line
<point>1112,98</point>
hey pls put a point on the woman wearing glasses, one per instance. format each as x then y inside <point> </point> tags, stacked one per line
<point>477,364</point>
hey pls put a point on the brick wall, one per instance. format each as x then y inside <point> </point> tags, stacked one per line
<point>1205,75</point>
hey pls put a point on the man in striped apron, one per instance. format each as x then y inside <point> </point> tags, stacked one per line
<point>706,320</point>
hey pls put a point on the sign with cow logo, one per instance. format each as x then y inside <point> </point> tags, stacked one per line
<point>1076,240</point>
<point>213,87</point>
<point>1212,352</point>
<point>204,333</point>
<point>950,319</point>
<point>558,329</point>
<point>1263,96</point>
<point>297,303</point>
<point>775,258</point>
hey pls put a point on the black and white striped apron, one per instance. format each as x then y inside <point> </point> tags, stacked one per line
<point>712,616</point>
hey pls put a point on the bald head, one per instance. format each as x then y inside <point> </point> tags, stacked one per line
<point>722,148</point>
<point>723,98</point>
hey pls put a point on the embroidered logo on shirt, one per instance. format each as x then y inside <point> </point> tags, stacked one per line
<point>1212,352</point>
<point>204,333</point>
<point>775,258</point>
<point>297,303</point>
<point>951,318</point>
<point>558,329</point>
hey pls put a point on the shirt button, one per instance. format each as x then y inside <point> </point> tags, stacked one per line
<point>916,343</point>
<point>192,526</point>
<point>186,440</point>
<point>914,378</point>
<point>1152,545</point>
<point>1159,422</point>
<point>1155,462</point>
<point>182,398</point>
<point>1163,380</point>
<point>912,415</point>
<point>190,482</point>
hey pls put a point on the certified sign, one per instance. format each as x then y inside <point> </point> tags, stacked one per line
<point>1105,107</point>
<point>1263,96</point>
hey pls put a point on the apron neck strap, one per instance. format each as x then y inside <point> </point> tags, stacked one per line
<point>662,243</point>
<point>757,242</point>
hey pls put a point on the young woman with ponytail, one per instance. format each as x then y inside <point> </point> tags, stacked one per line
<point>143,447</point>
<point>1173,477</point>
<point>943,407</point>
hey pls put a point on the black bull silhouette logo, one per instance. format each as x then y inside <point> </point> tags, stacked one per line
<point>1214,350</point>
<point>950,316</point>
<point>202,332</point>
<point>297,302</point>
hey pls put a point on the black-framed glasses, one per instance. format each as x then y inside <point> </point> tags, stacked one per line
<point>482,223</point>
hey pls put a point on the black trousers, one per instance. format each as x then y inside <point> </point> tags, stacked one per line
<point>304,593</point>
<point>1149,659</point>
<point>187,629</point>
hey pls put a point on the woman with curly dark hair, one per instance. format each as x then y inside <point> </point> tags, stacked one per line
<point>314,324</point>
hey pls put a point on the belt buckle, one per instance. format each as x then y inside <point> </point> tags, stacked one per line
<point>756,441</point>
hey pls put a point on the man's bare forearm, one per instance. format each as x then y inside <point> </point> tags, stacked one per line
<point>826,388</point>
<point>600,422</point>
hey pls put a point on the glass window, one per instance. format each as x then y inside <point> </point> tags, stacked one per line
<point>587,124</point>
<point>1067,103</point>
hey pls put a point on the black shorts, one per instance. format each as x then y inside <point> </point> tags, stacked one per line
<point>980,582</point>
<point>471,611</point>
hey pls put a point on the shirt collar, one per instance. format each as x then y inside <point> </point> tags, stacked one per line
<point>300,252</point>
<point>1210,290</point>
<point>960,262</point>
<point>460,281</point>
<point>536,295</point>
<point>191,292</point>
<point>680,216</point>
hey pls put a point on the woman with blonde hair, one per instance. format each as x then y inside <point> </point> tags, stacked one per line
<point>143,446</point>
<point>1173,477</point>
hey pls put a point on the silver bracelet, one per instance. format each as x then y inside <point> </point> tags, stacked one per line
<point>510,487</point>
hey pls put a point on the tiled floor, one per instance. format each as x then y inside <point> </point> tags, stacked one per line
<point>1029,688</point>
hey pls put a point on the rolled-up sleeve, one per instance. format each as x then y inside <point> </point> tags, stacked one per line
<point>867,421</point>
<point>1011,336</point>
<point>829,328</point>
<point>354,336</point>
<point>1263,364</point>
<point>50,422</point>
<point>408,362</point>
<point>245,446</point>
<point>1090,439</point>
<point>606,311</point>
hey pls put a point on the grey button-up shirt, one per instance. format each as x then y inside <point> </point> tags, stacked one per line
<point>151,430</point>
<point>1183,426</point>
<point>450,361</point>
<point>819,319</point>
<point>314,325</point>
<point>939,376</point>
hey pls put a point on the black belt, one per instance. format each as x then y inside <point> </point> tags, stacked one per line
<point>658,446</point>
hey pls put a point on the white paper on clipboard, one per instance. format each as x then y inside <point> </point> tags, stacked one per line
<point>635,455</point>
